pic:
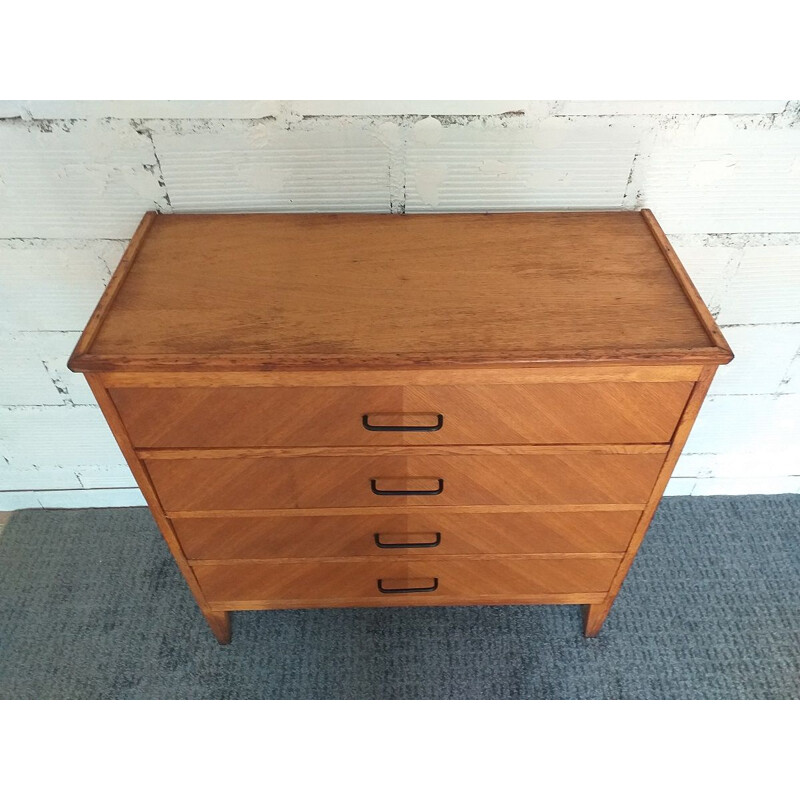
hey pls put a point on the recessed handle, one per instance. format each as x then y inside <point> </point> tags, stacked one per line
<point>437,538</point>
<point>405,492</point>
<point>411,590</point>
<point>419,428</point>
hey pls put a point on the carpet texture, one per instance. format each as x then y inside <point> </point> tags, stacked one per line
<point>92,606</point>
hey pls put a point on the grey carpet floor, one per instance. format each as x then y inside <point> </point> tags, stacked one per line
<point>91,606</point>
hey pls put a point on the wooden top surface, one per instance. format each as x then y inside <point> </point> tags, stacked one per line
<point>344,291</point>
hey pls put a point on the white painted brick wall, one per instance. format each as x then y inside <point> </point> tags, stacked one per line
<point>723,178</point>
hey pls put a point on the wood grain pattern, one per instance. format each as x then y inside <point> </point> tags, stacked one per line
<point>221,538</point>
<point>328,291</point>
<point>477,414</point>
<point>341,481</point>
<point>187,453</point>
<point>543,508</point>
<point>399,601</point>
<point>218,622</point>
<point>596,615</point>
<point>354,582</point>
<point>663,373</point>
<point>567,353</point>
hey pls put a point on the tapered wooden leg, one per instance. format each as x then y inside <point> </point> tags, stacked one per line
<point>594,616</point>
<point>220,624</point>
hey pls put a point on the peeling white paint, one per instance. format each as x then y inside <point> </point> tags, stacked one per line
<point>711,173</point>
<point>242,167</point>
<point>765,287</point>
<point>498,169</point>
<point>52,286</point>
<point>428,131</point>
<point>764,356</point>
<point>549,164</point>
<point>617,107</point>
<point>428,181</point>
<point>76,180</point>
<point>708,181</point>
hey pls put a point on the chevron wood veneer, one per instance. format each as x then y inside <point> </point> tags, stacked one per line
<point>364,410</point>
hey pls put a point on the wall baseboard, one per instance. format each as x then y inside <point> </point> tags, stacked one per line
<point>71,498</point>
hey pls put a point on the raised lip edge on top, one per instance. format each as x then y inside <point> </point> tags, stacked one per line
<point>82,360</point>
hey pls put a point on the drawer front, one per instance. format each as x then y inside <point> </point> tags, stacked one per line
<point>424,533</point>
<point>547,413</point>
<point>325,481</point>
<point>392,582</point>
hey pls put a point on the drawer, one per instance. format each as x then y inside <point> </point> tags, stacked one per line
<point>394,581</point>
<point>326,481</point>
<point>546,413</point>
<point>450,532</point>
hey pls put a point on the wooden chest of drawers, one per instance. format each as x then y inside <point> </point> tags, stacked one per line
<point>366,410</point>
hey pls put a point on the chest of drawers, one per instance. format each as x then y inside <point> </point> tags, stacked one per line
<point>372,410</point>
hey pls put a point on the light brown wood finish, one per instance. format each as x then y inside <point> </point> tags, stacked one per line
<point>568,354</point>
<point>571,598</point>
<point>651,373</point>
<point>356,582</point>
<point>305,291</point>
<point>334,416</point>
<point>596,615</point>
<point>558,508</point>
<point>269,537</point>
<point>218,622</point>
<point>207,484</point>
<point>187,453</point>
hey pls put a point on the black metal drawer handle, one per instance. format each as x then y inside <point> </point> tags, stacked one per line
<point>373,483</point>
<point>408,545</point>
<point>438,426</point>
<point>414,590</point>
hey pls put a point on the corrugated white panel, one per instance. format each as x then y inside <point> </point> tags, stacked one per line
<point>680,486</point>
<point>60,478</point>
<point>105,477</point>
<point>56,436</point>
<point>75,180</point>
<point>413,107</point>
<point>593,107</point>
<point>710,268</point>
<point>756,435</point>
<point>35,367</point>
<point>722,179</point>
<point>709,486</point>
<point>732,464</point>
<point>763,356</point>
<point>152,109</point>
<point>695,465</point>
<point>765,288</point>
<point>25,379</point>
<point>255,109</point>
<point>260,167</point>
<point>11,501</point>
<point>791,381</point>
<point>52,286</point>
<point>556,164</point>
<point>30,478</point>
<point>11,108</point>
<point>80,498</point>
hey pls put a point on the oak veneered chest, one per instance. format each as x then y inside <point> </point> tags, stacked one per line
<point>383,410</point>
